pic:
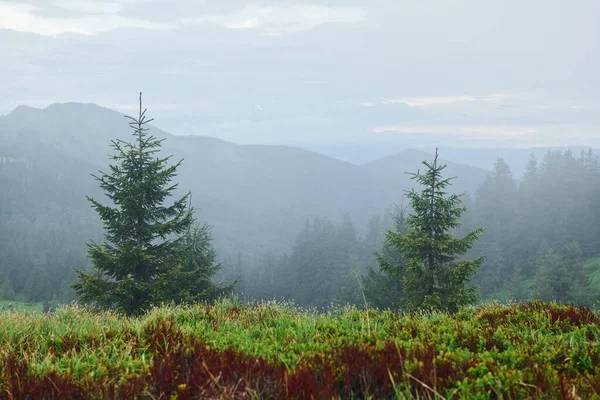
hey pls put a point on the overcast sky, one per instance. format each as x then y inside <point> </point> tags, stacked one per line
<point>454,72</point>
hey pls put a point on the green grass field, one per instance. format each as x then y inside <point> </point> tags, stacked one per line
<point>271,350</point>
<point>6,305</point>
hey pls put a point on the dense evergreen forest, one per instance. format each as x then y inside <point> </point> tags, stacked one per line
<point>542,239</point>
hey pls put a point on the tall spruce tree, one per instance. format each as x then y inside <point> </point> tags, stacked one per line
<point>151,253</point>
<point>496,208</point>
<point>385,288</point>
<point>561,274</point>
<point>434,276</point>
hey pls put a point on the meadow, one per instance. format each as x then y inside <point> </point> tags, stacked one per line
<point>272,350</point>
<point>12,305</point>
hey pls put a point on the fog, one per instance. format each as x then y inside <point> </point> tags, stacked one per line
<point>397,74</point>
<point>297,123</point>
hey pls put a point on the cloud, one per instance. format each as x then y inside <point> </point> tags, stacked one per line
<point>24,18</point>
<point>431,101</point>
<point>584,106</point>
<point>259,108</point>
<point>90,6</point>
<point>134,107</point>
<point>80,8</point>
<point>479,131</point>
<point>454,65</point>
<point>276,20</point>
<point>426,101</point>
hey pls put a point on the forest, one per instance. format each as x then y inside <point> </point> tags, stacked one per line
<point>541,241</point>
<point>151,321</point>
<point>309,200</point>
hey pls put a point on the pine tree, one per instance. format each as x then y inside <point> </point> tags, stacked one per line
<point>561,275</point>
<point>7,290</point>
<point>36,285</point>
<point>239,275</point>
<point>380,285</point>
<point>527,235</point>
<point>496,207</point>
<point>435,277</point>
<point>197,259</point>
<point>151,254</point>
<point>391,260</point>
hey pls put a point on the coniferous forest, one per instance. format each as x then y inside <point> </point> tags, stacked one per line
<point>385,311</point>
<point>310,200</point>
<point>541,240</point>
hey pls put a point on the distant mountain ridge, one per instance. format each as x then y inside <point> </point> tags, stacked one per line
<point>256,196</point>
<point>484,157</point>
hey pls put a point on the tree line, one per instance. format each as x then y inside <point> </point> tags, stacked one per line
<point>541,241</point>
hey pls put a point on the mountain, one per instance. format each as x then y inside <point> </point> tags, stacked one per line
<point>256,197</point>
<point>483,158</point>
<point>467,177</point>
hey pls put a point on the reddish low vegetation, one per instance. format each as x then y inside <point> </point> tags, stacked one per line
<point>476,353</point>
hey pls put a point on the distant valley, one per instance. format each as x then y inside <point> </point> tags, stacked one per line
<point>256,197</point>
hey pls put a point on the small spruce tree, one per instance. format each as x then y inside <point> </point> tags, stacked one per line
<point>561,274</point>
<point>434,276</point>
<point>36,286</point>
<point>385,288</point>
<point>151,253</point>
<point>7,290</point>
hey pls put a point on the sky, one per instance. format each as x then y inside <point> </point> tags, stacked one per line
<point>478,73</point>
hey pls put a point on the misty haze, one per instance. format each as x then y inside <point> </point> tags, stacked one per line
<point>335,199</point>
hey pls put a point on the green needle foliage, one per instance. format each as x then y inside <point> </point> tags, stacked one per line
<point>152,253</point>
<point>434,275</point>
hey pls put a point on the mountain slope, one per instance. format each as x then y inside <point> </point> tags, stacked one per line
<point>256,197</point>
<point>389,169</point>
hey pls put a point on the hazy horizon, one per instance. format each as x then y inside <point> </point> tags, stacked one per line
<point>354,153</point>
<point>459,73</point>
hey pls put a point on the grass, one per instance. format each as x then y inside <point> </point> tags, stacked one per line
<point>272,350</point>
<point>6,305</point>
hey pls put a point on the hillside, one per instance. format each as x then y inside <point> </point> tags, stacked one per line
<point>540,232</point>
<point>481,157</point>
<point>256,197</point>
